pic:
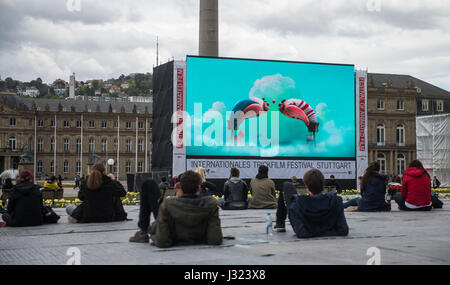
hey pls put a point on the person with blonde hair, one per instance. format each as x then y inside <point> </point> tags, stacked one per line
<point>208,188</point>
<point>101,199</point>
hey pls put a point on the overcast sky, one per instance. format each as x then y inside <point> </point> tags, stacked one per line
<point>107,38</point>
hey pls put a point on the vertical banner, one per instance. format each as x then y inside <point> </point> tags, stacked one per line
<point>361,124</point>
<point>179,107</point>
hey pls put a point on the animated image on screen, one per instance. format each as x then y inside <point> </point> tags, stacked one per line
<point>307,109</point>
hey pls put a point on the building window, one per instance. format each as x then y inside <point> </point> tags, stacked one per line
<point>139,166</point>
<point>40,167</point>
<point>151,125</point>
<point>380,134</point>
<point>401,164</point>
<point>128,125</point>
<point>52,166</point>
<point>66,124</point>
<point>79,145</point>
<point>52,123</point>
<point>52,144</point>
<point>439,106</point>
<point>104,124</point>
<point>425,105</point>
<point>66,166</point>
<point>91,145</point>
<point>140,146</point>
<point>128,166</point>
<point>140,125</point>
<point>12,143</point>
<point>104,145</point>
<point>400,105</point>
<point>380,104</point>
<point>66,145</point>
<point>400,135</point>
<point>115,145</point>
<point>381,159</point>
<point>116,124</point>
<point>12,121</point>
<point>78,166</point>
<point>40,123</point>
<point>91,124</point>
<point>40,145</point>
<point>128,145</point>
<point>78,124</point>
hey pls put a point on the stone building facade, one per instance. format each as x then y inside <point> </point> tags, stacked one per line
<point>84,130</point>
<point>392,109</point>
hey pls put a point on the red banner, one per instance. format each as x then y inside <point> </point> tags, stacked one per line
<point>362,114</point>
<point>180,100</point>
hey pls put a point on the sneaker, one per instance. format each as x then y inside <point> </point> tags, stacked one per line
<point>280,227</point>
<point>72,219</point>
<point>140,236</point>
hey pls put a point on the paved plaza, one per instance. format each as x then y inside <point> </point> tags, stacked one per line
<point>401,237</point>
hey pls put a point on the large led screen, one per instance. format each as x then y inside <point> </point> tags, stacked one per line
<point>259,108</point>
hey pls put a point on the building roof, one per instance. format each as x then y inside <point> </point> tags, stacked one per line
<point>61,105</point>
<point>427,90</point>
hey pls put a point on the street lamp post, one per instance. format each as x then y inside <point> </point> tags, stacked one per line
<point>110,163</point>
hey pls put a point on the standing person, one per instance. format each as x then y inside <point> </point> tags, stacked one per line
<point>436,182</point>
<point>333,182</point>
<point>164,185</point>
<point>373,191</point>
<point>25,203</point>
<point>263,190</point>
<point>171,181</point>
<point>99,194</point>
<point>60,181</point>
<point>415,193</point>
<point>77,181</point>
<point>208,188</point>
<point>235,192</point>
<point>318,214</point>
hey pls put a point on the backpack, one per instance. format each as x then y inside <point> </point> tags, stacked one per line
<point>50,217</point>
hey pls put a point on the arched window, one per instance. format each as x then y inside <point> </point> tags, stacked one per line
<point>380,134</point>
<point>401,163</point>
<point>40,145</point>
<point>400,135</point>
<point>104,145</point>
<point>78,145</point>
<point>91,145</point>
<point>381,158</point>
<point>66,166</point>
<point>12,143</point>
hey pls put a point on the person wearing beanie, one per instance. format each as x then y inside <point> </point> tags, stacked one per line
<point>25,203</point>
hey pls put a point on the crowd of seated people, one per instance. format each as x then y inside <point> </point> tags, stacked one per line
<point>192,215</point>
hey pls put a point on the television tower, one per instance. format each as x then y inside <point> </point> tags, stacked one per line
<point>209,28</point>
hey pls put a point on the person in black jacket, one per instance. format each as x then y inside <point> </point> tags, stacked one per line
<point>208,188</point>
<point>319,214</point>
<point>332,182</point>
<point>235,192</point>
<point>25,203</point>
<point>101,199</point>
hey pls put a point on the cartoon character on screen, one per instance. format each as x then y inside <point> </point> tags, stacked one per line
<point>299,109</point>
<point>244,109</point>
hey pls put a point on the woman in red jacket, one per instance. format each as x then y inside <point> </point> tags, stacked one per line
<point>415,193</point>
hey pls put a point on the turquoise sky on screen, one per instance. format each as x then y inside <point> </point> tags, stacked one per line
<point>219,83</point>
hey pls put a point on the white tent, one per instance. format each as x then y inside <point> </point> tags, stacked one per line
<point>433,145</point>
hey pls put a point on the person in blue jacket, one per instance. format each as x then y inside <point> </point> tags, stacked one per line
<point>373,191</point>
<point>318,214</point>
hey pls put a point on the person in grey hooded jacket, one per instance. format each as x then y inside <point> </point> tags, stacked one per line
<point>235,192</point>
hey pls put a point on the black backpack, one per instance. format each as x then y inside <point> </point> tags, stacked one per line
<point>50,217</point>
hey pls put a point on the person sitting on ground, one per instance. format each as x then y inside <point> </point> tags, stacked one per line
<point>373,191</point>
<point>235,192</point>
<point>436,182</point>
<point>415,193</point>
<point>332,182</point>
<point>51,183</point>
<point>99,195</point>
<point>208,188</point>
<point>25,203</point>
<point>319,214</point>
<point>187,219</point>
<point>263,191</point>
